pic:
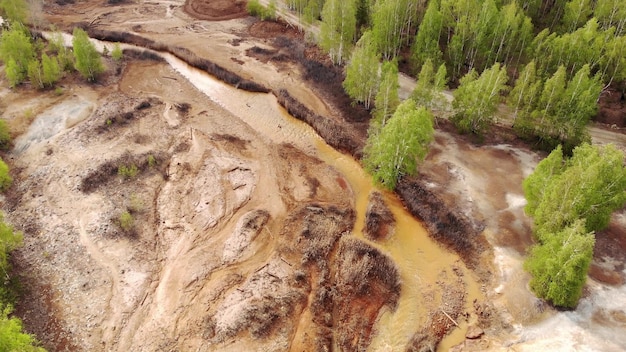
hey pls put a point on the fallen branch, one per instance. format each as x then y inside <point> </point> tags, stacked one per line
<point>449,317</point>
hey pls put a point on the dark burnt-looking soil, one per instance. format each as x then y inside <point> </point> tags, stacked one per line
<point>349,280</point>
<point>379,220</point>
<point>612,108</point>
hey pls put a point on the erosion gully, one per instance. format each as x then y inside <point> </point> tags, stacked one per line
<point>420,260</point>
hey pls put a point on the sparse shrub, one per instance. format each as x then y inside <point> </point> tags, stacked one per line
<point>35,73</point>
<point>5,178</point>
<point>126,220</point>
<point>117,53</point>
<point>264,13</point>
<point>135,204</point>
<point>255,8</point>
<point>51,70</point>
<point>58,91</point>
<point>151,161</point>
<point>127,172</point>
<point>5,136</point>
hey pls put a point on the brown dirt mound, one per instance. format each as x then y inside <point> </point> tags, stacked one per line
<point>216,10</point>
<point>612,108</point>
<point>274,29</point>
<point>379,221</point>
<point>444,224</point>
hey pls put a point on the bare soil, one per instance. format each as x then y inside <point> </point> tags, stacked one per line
<point>239,243</point>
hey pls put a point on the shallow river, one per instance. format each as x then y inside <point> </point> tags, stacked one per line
<point>419,258</point>
<point>593,326</point>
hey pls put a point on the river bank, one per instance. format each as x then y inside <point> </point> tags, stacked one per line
<point>457,172</point>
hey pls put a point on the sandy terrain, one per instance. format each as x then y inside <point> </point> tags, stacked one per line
<point>241,241</point>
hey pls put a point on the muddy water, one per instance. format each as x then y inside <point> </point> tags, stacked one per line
<point>419,259</point>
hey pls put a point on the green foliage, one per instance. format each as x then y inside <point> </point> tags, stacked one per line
<point>361,81</point>
<point>400,144</point>
<point>117,55</point>
<point>559,265</point>
<point>338,28</point>
<point>429,86</point>
<point>426,45</point>
<point>16,50</point>
<point>477,98</point>
<point>126,221</point>
<point>14,73</point>
<point>576,13</point>
<point>15,11</point>
<point>151,161</point>
<point>255,8</point>
<point>569,200</point>
<point>9,240</point>
<point>611,13</point>
<point>600,49</point>
<point>392,21</point>
<point>88,60</point>
<point>51,70</point>
<point>128,171</point>
<point>35,74</point>
<point>535,185</point>
<point>387,97</point>
<point>11,336</point>
<point>591,186</point>
<point>5,135</point>
<point>5,177</point>
<point>557,111</point>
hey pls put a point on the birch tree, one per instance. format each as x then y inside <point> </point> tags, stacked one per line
<point>387,97</point>
<point>88,60</point>
<point>476,99</point>
<point>590,185</point>
<point>576,13</point>
<point>361,82</point>
<point>401,144</point>
<point>429,86</point>
<point>559,266</point>
<point>338,29</point>
<point>16,50</point>
<point>524,95</point>
<point>391,24</point>
<point>426,44</point>
<point>569,200</point>
<point>611,13</point>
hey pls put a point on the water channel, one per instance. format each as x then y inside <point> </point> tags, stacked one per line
<point>419,259</point>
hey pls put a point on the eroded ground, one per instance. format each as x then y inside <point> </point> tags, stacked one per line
<point>241,241</point>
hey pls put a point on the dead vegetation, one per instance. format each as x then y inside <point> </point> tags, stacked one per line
<point>379,221</point>
<point>444,224</point>
<point>334,134</point>
<point>443,320</point>
<point>109,170</point>
<point>184,54</point>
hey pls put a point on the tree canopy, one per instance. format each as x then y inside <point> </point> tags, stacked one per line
<point>88,60</point>
<point>559,265</point>
<point>569,200</point>
<point>338,29</point>
<point>361,82</point>
<point>17,51</point>
<point>476,99</point>
<point>399,146</point>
